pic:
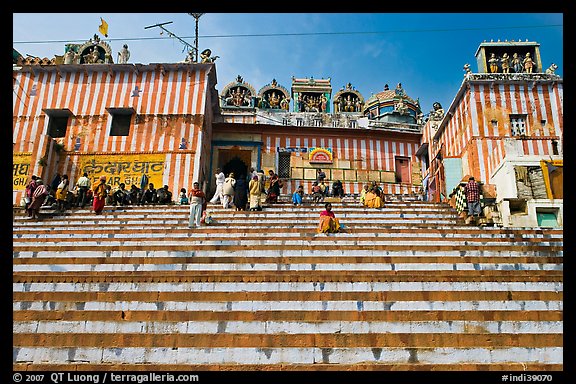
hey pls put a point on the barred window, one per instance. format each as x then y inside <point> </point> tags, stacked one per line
<point>518,125</point>
<point>284,165</point>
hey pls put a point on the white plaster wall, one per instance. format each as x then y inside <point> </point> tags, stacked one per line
<point>530,219</point>
<point>504,178</point>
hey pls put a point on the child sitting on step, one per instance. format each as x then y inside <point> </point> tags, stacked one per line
<point>182,198</point>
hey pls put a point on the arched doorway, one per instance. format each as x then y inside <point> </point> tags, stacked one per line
<point>237,166</point>
<point>236,161</point>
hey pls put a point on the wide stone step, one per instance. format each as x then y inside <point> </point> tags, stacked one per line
<point>224,252</point>
<point>373,237</point>
<point>341,340</point>
<point>360,228</point>
<point>315,285</point>
<point>237,224</point>
<point>119,326</point>
<point>55,265</point>
<point>282,248</point>
<point>339,310</point>
<point>328,351</point>
<point>327,368</point>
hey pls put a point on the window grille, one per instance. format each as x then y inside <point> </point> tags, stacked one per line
<point>284,165</point>
<point>518,125</point>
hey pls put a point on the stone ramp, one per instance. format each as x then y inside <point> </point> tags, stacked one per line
<point>405,287</point>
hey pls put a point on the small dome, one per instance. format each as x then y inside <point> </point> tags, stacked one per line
<point>392,105</point>
<point>390,95</point>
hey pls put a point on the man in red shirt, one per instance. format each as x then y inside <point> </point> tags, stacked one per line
<point>472,191</point>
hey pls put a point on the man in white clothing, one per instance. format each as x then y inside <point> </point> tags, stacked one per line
<point>197,202</point>
<point>228,191</point>
<point>82,185</point>
<point>220,177</point>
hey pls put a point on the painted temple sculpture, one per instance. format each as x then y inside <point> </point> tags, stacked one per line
<point>504,127</point>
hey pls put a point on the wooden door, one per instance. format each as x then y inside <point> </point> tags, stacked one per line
<point>402,170</point>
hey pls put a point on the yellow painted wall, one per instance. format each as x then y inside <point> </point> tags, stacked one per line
<point>127,169</point>
<point>20,170</point>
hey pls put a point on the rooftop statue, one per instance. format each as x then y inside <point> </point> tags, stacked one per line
<point>528,63</point>
<point>516,63</point>
<point>552,69</point>
<point>505,63</point>
<point>71,57</point>
<point>93,57</point>
<point>401,107</point>
<point>493,61</point>
<point>205,56</point>
<point>437,113</point>
<point>190,57</point>
<point>123,55</point>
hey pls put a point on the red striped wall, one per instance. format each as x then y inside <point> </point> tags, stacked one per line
<point>169,107</point>
<point>470,130</point>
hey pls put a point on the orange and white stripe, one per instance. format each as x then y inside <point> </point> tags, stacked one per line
<point>178,92</point>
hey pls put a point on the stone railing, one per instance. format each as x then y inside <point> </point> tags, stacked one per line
<point>512,76</point>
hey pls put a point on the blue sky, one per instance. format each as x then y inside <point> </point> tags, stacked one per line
<point>423,51</point>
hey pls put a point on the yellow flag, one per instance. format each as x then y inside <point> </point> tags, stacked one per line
<point>103,28</point>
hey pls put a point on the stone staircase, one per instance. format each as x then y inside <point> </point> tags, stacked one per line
<point>405,287</point>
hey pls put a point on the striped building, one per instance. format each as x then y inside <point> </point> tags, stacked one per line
<point>167,121</point>
<point>364,141</point>
<point>121,120</point>
<point>505,129</point>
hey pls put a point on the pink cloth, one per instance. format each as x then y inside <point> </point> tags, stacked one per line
<point>327,213</point>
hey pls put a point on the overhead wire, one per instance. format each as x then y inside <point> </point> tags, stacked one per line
<point>302,34</point>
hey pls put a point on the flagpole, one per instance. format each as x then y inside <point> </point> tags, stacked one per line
<point>196,16</point>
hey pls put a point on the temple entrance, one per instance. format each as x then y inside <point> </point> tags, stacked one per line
<point>235,160</point>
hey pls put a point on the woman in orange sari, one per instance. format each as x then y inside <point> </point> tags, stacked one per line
<point>328,221</point>
<point>99,193</point>
<point>372,200</point>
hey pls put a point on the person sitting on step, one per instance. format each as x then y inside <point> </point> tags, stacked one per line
<point>317,195</point>
<point>135,195</point>
<point>337,189</point>
<point>164,195</point>
<point>149,195</point>
<point>324,188</point>
<point>328,221</point>
<point>372,199</point>
<point>183,198</point>
<point>121,196</point>
<point>363,194</point>
<point>298,196</point>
